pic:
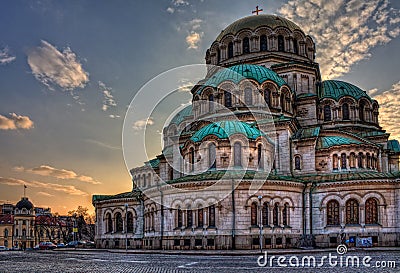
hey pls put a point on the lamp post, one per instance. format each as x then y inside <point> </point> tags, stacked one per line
<point>126,227</point>
<point>260,224</point>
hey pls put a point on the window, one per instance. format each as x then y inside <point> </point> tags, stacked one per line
<point>248,96</point>
<point>130,222</point>
<point>218,56</point>
<point>191,159</point>
<point>246,45</point>
<point>16,232</point>
<point>6,233</point>
<point>371,211</point>
<point>276,214</point>
<point>297,162</point>
<point>368,161</point>
<point>361,112</point>
<point>211,102</point>
<point>253,214</point>
<point>24,222</point>
<point>228,99</point>
<point>109,223</point>
<point>260,156</point>
<point>345,111</point>
<point>335,162</point>
<point>230,50</point>
<point>211,216</point>
<point>212,156</point>
<point>200,217</point>
<point>295,46</point>
<point>119,222</point>
<point>343,158</point>
<point>189,218</point>
<point>267,93</point>
<point>5,243</point>
<point>237,153</point>
<point>263,43</point>
<point>352,212</point>
<point>144,181</point>
<point>327,113</point>
<point>179,217</point>
<point>352,160</point>
<point>24,232</point>
<point>332,213</point>
<point>281,43</point>
<point>265,216</point>
<point>360,160</point>
<point>285,214</point>
<point>170,173</point>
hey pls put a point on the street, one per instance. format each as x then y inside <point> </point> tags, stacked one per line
<point>102,261</point>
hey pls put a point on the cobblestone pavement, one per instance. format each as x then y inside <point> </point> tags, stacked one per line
<point>101,261</point>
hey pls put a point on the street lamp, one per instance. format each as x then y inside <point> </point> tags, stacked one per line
<point>126,227</point>
<point>260,224</point>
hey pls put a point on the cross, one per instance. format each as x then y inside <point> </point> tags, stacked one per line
<point>257,10</point>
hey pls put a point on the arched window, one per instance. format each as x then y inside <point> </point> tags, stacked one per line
<point>170,173</point>
<point>361,111</point>
<point>343,159</point>
<point>248,96</point>
<point>130,222</point>
<point>282,102</point>
<point>253,214</point>
<point>281,43</point>
<point>352,160</point>
<point>265,216</point>
<point>228,99</point>
<point>246,45</point>
<point>295,46</point>
<point>144,181</point>
<point>275,214</point>
<point>189,218</point>
<point>297,162</point>
<point>230,50</point>
<point>360,160</point>
<point>200,217</point>
<point>237,153</point>
<point>23,232</point>
<point>327,113</point>
<point>179,217</point>
<point>260,162</point>
<point>263,43</point>
<point>211,216</point>
<point>332,213</point>
<point>211,102</point>
<point>212,156</point>
<point>191,159</point>
<point>16,232</point>
<point>371,211</point>
<point>345,111</point>
<point>368,161</point>
<point>109,223</point>
<point>352,212</point>
<point>285,214</point>
<point>218,56</point>
<point>267,93</point>
<point>335,162</point>
<point>119,222</point>
<point>6,233</point>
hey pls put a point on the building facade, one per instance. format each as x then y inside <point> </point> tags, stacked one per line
<point>267,153</point>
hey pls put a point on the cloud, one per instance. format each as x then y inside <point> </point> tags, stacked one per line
<point>15,121</point>
<point>185,85</point>
<point>179,3</point>
<point>102,144</point>
<point>68,189</point>
<point>344,31</point>
<point>53,67</point>
<point>141,124</point>
<point>114,116</point>
<point>45,194</point>
<point>170,10</point>
<point>45,170</point>
<point>193,39</point>
<point>5,56</point>
<point>389,109</point>
<point>108,98</point>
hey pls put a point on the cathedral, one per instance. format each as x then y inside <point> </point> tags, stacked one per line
<point>268,155</point>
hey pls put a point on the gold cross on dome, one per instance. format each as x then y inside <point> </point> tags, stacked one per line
<point>257,10</point>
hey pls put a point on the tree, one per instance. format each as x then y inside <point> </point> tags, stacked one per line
<point>84,222</point>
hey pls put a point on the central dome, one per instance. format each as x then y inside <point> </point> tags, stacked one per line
<point>255,21</point>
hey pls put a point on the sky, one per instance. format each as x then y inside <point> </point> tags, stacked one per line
<point>69,70</point>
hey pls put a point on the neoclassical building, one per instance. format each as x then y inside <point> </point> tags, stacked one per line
<point>267,153</point>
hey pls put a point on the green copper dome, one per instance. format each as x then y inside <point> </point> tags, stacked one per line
<point>225,129</point>
<point>181,115</point>
<point>240,72</point>
<point>337,89</point>
<point>255,21</point>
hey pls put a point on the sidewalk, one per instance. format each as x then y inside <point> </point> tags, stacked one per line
<point>250,252</point>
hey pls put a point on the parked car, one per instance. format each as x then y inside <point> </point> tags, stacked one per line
<point>74,244</point>
<point>3,248</point>
<point>61,245</point>
<point>90,244</point>
<point>47,245</point>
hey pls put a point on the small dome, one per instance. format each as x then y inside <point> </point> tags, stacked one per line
<point>337,89</point>
<point>24,203</point>
<point>255,21</point>
<point>240,72</point>
<point>224,129</point>
<point>181,115</point>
